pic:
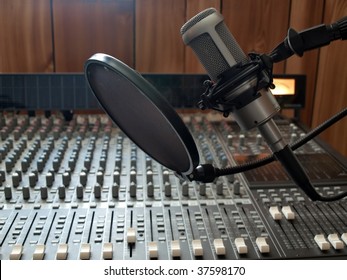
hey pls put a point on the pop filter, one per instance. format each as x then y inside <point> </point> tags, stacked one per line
<point>142,113</point>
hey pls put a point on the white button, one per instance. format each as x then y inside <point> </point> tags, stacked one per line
<point>62,252</point>
<point>275,213</point>
<point>85,251</point>
<point>241,245</point>
<point>197,248</point>
<point>39,252</point>
<point>153,250</point>
<point>322,242</point>
<point>344,237</point>
<point>219,246</point>
<point>131,235</point>
<point>335,241</point>
<point>175,248</point>
<point>107,251</point>
<point>288,213</point>
<point>262,245</point>
<point>16,253</point>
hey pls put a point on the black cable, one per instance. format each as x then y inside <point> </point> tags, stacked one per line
<point>297,144</point>
<point>294,146</point>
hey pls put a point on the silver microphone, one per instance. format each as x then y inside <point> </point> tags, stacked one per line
<point>239,89</point>
<point>208,36</point>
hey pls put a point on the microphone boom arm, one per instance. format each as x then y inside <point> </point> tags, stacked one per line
<point>309,39</point>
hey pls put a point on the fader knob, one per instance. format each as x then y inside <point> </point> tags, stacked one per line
<point>167,189</point>
<point>166,176</point>
<point>56,164</point>
<point>219,188</point>
<point>43,192</point>
<point>79,191</point>
<point>9,164</point>
<point>2,176</point>
<point>49,179</point>
<point>293,137</point>
<point>61,192</point>
<point>8,192</point>
<point>66,179</point>
<point>115,190</point>
<point>25,165</point>
<point>15,179</point>
<point>40,164</point>
<point>150,189</point>
<point>26,192</point>
<point>185,189</point>
<point>72,163</point>
<point>116,177</point>
<point>100,177</point>
<point>133,189</point>
<point>83,178</point>
<point>97,191</point>
<point>202,189</point>
<point>236,188</point>
<point>32,179</point>
<point>19,174</point>
<point>175,248</point>
<point>133,176</point>
<point>149,175</point>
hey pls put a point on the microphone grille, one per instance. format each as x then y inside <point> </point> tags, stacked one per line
<point>231,43</point>
<point>207,47</point>
<point>209,55</point>
<point>194,20</point>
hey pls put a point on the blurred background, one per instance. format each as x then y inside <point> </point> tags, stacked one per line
<point>46,36</point>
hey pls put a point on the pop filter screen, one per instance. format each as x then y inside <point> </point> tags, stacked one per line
<point>139,110</point>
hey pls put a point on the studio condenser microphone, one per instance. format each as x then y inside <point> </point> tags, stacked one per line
<point>241,86</point>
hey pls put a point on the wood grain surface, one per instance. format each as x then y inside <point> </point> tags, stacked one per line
<point>83,28</point>
<point>305,14</point>
<point>258,26</point>
<point>331,87</point>
<point>25,36</point>
<point>159,47</point>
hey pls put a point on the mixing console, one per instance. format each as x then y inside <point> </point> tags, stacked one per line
<point>81,189</point>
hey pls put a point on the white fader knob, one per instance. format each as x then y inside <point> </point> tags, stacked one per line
<point>175,248</point>
<point>288,213</point>
<point>322,243</point>
<point>263,246</point>
<point>275,213</point>
<point>335,241</point>
<point>219,246</point>
<point>131,235</point>
<point>241,245</point>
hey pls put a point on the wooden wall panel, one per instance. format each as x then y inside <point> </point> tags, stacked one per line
<point>159,47</point>
<point>82,28</point>
<point>192,63</point>
<point>258,25</point>
<point>25,36</point>
<point>305,14</point>
<point>331,89</point>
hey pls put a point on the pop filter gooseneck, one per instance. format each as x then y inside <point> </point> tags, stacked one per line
<point>142,113</point>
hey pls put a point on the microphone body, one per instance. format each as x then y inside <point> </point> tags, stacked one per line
<point>221,56</point>
<point>240,88</point>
